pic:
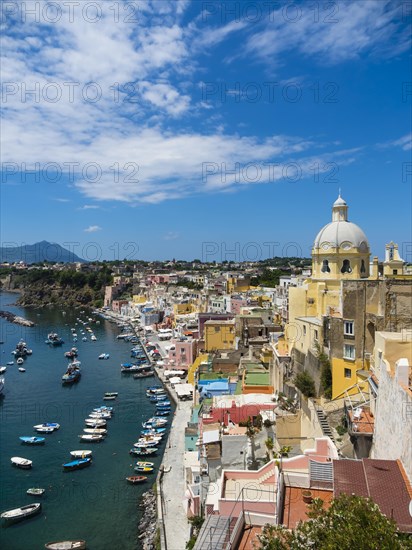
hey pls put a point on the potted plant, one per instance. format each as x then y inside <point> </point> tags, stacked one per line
<point>307,496</point>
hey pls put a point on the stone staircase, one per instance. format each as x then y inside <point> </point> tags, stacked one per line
<point>324,424</point>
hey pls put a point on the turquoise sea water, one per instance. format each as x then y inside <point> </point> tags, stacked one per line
<point>95,504</point>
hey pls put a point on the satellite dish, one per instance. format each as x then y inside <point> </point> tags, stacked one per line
<point>410,508</point>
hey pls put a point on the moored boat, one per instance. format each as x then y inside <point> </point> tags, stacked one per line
<point>82,453</point>
<point>44,430</point>
<point>95,422</point>
<point>66,545</point>
<point>136,479</point>
<point>95,431</point>
<point>21,462</point>
<point>77,464</point>
<point>143,451</point>
<point>72,375</point>
<point>147,374</point>
<point>21,513</point>
<point>53,425</point>
<point>143,469</point>
<point>91,438</point>
<point>36,491</point>
<point>53,339</point>
<point>32,440</point>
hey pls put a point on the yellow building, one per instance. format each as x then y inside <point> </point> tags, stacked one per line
<point>219,335</point>
<point>237,284</point>
<point>339,308</point>
<point>139,299</point>
<point>183,309</point>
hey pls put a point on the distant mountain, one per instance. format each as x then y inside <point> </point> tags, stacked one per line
<point>38,252</point>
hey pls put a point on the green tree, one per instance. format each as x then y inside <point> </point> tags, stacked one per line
<point>305,383</point>
<point>351,522</point>
<point>325,371</point>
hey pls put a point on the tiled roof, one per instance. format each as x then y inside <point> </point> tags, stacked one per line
<point>382,481</point>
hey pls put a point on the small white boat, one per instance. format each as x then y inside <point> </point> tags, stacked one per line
<point>23,512</point>
<point>95,422</point>
<point>3,370</point>
<point>91,438</point>
<point>81,454</point>
<point>20,462</point>
<point>93,338</point>
<point>20,361</point>
<point>45,430</point>
<point>104,415</point>
<point>109,397</point>
<point>36,491</point>
<point>22,369</point>
<point>52,425</point>
<point>95,431</point>
<point>66,545</point>
<point>10,363</point>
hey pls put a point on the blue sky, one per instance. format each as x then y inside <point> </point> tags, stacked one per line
<point>212,130</point>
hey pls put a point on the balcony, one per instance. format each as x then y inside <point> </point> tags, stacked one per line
<point>361,421</point>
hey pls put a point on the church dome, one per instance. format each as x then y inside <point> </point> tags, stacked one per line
<point>341,233</point>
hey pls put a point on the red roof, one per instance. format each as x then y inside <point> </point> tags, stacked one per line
<point>381,480</point>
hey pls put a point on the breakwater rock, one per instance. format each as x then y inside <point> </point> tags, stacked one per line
<point>12,318</point>
<point>148,524</point>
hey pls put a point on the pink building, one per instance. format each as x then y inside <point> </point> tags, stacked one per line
<point>236,303</point>
<point>231,409</point>
<point>182,354</point>
<point>260,491</point>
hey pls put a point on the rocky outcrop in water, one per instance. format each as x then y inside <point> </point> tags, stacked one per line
<point>148,524</point>
<point>12,318</point>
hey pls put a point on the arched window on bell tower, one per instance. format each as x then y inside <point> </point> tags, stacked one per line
<point>362,267</point>
<point>346,268</point>
<point>325,266</point>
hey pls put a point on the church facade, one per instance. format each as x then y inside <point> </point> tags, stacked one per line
<point>346,300</point>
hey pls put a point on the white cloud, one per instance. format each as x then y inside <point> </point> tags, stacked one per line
<point>171,236</point>
<point>404,142</point>
<point>89,207</point>
<point>337,32</point>
<point>93,229</point>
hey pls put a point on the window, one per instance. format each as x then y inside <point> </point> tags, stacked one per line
<point>348,373</point>
<point>349,351</point>
<point>363,268</point>
<point>346,268</point>
<point>348,328</point>
<point>316,335</point>
<point>304,329</point>
<point>217,329</point>
<point>325,266</point>
<point>395,271</point>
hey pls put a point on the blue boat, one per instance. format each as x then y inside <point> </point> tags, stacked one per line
<point>162,412</point>
<point>77,464</point>
<point>33,440</point>
<point>154,430</point>
<point>53,339</point>
<point>72,375</point>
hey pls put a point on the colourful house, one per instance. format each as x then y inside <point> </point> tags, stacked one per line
<point>219,335</point>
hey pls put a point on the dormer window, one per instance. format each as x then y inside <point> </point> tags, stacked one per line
<point>346,268</point>
<point>325,266</point>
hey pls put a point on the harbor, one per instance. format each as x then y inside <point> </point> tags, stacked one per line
<point>74,502</point>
